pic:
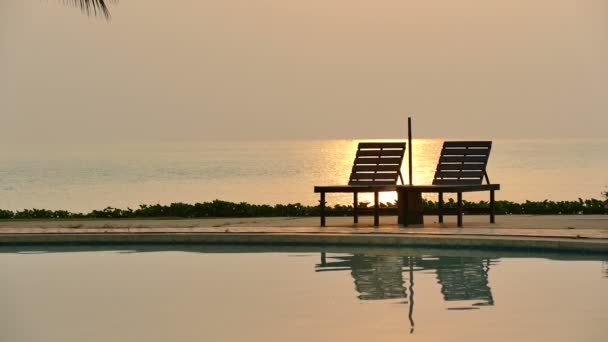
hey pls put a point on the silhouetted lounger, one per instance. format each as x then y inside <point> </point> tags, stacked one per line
<point>461,168</point>
<point>376,168</point>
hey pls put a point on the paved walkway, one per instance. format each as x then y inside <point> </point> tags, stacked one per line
<point>551,226</point>
<point>547,233</point>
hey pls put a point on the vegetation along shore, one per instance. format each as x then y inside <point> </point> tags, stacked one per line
<point>219,208</point>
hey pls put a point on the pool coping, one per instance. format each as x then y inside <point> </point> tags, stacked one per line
<point>503,242</point>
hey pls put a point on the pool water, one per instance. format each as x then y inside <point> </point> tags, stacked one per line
<point>212,293</point>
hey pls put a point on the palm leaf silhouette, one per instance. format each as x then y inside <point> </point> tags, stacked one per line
<point>96,8</point>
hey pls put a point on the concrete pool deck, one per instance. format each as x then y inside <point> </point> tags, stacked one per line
<point>576,233</point>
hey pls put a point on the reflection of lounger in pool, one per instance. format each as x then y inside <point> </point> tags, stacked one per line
<point>376,277</point>
<point>461,278</point>
<point>381,277</point>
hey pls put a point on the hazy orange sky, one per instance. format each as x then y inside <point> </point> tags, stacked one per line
<point>197,70</point>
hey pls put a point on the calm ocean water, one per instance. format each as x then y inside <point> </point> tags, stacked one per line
<point>85,177</point>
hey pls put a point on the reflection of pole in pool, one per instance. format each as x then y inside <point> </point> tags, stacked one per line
<point>409,146</point>
<point>485,271</point>
<point>411,310</point>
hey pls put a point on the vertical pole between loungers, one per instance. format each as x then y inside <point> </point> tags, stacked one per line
<point>409,147</point>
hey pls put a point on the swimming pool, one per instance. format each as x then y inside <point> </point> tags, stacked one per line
<point>224,293</point>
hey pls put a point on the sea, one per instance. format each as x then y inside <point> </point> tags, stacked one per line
<point>82,177</point>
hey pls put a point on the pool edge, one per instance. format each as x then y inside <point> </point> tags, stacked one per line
<point>388,240</point>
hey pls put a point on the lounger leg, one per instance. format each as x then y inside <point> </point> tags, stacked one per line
<point>376,211</point>
<point>355,207</point>
<point>440,207</point>
<point>322,205</point>
<point>460,209</point>
<point>401,207</point>
<point>492,210</point>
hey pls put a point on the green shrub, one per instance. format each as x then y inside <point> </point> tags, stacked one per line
<point>6,214</point>
<point>219,208</point>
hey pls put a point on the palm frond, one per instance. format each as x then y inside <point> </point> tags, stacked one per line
<point>96,8</point>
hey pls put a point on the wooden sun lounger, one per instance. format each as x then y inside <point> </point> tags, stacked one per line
<point>461,168</point>
<point>376,168</point>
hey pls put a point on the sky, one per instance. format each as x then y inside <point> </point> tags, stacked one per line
<point>197,70</point>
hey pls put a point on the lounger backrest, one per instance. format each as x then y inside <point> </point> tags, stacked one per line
<point>463,163</point>
<point>377,163</point>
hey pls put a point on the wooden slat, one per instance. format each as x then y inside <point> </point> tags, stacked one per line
<point>356,188</point>
<point>372,168</point>
<point>380,153</point>
<point>459,174</point>
<point>387,160</point>
<point>447,188</point>
<point>470,159</point>
<point>368,175</point>
<point>456,181</point>
<point>400,145</point>
<point>476,166</point>
<point>357,182</point>
<point>465,151</point>
<point>487,144</point>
